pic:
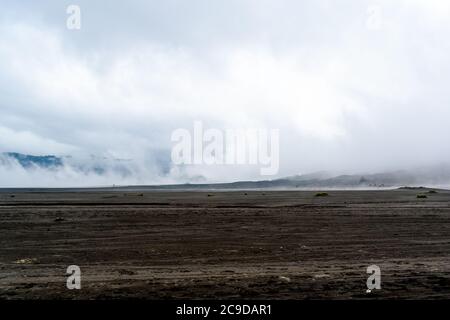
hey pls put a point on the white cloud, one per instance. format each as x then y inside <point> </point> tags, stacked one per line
<point>365,99</point>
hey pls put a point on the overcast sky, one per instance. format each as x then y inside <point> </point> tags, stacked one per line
<point>351,85</point>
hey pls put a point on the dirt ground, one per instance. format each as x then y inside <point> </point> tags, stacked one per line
<point>240,244</point>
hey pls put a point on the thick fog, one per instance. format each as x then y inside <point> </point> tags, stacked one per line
<point>351,86</point>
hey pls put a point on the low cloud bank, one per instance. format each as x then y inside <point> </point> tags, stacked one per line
<point>20,170</point>
<point>17,170</point>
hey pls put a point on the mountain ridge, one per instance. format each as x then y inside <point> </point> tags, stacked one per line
<point>438,175</point>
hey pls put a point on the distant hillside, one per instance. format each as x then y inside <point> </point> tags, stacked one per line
<point>28,161</point>
<point>97,165</point>
<point>434,176</point>
<point>430,176</point>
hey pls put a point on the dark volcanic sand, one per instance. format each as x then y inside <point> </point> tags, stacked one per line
<point>158,245</point>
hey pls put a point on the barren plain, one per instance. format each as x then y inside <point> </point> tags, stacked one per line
<point>136,243</point>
